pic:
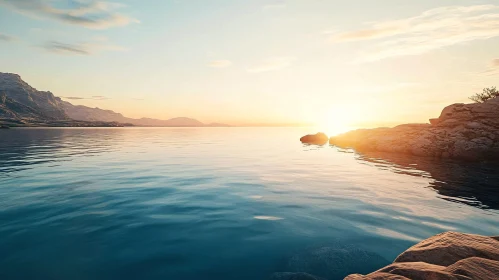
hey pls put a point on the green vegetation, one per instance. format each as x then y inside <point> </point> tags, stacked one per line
<point>486,94</point>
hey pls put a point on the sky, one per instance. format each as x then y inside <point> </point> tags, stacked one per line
<point>340,63</point>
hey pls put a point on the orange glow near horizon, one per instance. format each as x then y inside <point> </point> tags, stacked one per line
<point>340,119</point>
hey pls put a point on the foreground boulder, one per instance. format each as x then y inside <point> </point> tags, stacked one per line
<point>447,256</point>
<point>463,131</point>
<point>315,139</point>
<point>450,247</point>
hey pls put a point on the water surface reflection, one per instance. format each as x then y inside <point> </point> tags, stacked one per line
<point>471,183</point>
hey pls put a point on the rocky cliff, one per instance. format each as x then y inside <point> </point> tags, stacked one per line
<point>11,109</point>
<point>463,131</point>
<point>20,100</point>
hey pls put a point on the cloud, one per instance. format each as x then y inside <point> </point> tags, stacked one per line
<point>493,68</point>
<point>7,38</point>
<point>72,97</point>
<point>62,48</point>
<point>99,97</point>
<point>272,64</point>
<point>87,13</point>
<point>95,97</point>
<point>88,48</point>
<point>431,30</point>
<point>220,63</point>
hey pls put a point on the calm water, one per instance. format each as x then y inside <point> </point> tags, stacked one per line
<point>220,203</point>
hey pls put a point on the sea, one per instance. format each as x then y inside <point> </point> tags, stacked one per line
<point>221,203</point>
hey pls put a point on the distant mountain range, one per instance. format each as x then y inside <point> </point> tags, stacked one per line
<point>21,103</point>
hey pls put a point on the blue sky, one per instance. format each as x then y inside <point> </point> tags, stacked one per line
<point>258,61</point>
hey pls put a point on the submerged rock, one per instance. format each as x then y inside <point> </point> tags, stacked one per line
<point>446,256</point>
<point>315,139</point>
<point>294,276</point>
<point>463,131</point>
<point>334,261</point>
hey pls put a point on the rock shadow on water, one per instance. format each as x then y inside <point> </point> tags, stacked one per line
<point>329,261</point>
<point>470,183</point>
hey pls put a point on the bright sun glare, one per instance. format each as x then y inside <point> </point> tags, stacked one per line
<point>339,119</point>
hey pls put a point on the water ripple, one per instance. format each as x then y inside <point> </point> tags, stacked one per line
<point>218,203</point>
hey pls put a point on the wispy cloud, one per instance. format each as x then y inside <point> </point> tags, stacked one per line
<point>96,97</point>
<point>72,97</point>
<point>88,13</point>
<point>493,68</point>
<point>87,48</point>
<point>431,30</point>
<point>272,64</point>
<point>220,63</point>
<point>7,38</point>
<point>62,48</point>
<point>99,97</point>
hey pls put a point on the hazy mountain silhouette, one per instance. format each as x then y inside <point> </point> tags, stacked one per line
<point>21,102</point>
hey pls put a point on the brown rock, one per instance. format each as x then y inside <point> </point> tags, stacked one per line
<point>446,256</point>
<point>450,247</point>
<point>419,271</point>
<point>376,276</point>
<point>463,131</point>
<point>315,139</point>
<point>476,268</point>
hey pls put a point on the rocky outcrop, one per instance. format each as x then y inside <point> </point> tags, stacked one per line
<point>446,256</point>
<point>27,102</point>
<point>450,247</point>
<point>463,131</point>
<point>11,109</point>
<point>315,139</point>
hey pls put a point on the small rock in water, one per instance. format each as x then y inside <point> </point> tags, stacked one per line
<point>315,139</point>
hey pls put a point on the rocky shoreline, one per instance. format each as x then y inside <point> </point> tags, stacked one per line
<point>468,132</point>
<point>13,123</point>
<point>463,131</point>
<point>446,256</point>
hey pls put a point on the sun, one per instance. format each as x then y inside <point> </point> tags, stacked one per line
<point>339,119</point>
